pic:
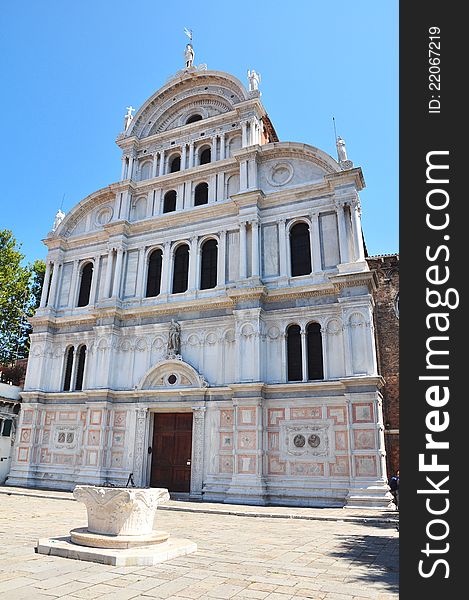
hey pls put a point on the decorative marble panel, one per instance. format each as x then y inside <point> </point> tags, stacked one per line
<point>362,412</point>
<point>365,466</point>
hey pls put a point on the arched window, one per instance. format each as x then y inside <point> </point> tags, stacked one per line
<point>68,368</point>
<point>193,119</point>
<point>154,273</point>
<point>314,346</point>
<point>300,252</point>
<point>85,285</point>
<point>175,164</point>
<point>201,194</point>
<point>81,355</point>
<point>205,156</point>
<point>181,269</point>
<point>294,360</point>
<point>169,202</point>
<point>146,170</point>
<point>208,271</point>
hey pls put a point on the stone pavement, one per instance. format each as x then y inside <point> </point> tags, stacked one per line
<point>284,554</point>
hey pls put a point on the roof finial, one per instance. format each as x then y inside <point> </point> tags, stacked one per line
<point>254,80</point>
<point>189,51</point>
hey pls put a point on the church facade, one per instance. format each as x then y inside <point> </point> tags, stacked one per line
<point>206,323</point>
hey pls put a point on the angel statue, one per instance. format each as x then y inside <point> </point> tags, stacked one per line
<point>254,80</point>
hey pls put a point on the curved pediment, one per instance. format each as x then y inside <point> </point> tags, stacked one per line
<point>214,92</point>
<point>172,374</point>
<point>90,214</point>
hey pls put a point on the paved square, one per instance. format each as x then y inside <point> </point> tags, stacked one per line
<point>239,557</point>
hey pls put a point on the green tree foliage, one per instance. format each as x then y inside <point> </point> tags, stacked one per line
<point>20,292</point>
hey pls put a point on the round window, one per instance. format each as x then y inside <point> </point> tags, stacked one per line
<point>172,379</point>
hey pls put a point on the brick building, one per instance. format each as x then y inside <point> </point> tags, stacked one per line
<point>387,333</point>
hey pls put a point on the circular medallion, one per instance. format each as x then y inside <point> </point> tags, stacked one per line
<point>299,441</point>
<point>104,215</point>
<point>314,440</point>
<point>280,174</point>
<point>172,379</point>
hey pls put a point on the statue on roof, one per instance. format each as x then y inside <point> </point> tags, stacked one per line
<point>254,80</point>
<point>189,56</point>
<point>128,117</point>
<point>59,217</point>
<point>341,149</point>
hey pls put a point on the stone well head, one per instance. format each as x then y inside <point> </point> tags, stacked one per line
<point>120,511</point>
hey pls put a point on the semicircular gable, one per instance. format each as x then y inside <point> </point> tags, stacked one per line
<point>172,373</point>
<point>101,206</point>
<point>288,164</point>
<point>176,116</point>
<point>225,88</point>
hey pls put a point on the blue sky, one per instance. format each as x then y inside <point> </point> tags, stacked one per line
<point>70,68</point>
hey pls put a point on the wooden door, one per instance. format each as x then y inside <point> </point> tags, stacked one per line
<point>172,449</point>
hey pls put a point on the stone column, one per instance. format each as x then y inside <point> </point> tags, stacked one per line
<point>254,139</point>
<point>161,171</point>
<point>94,280</point>
<point>140,445</point>
<point>53,285</point>
<point>126,198</point>
<point>221,274</point>
<point>197,458</point>
<point>191,155</point>
<point>252,165</point>
<point>124,166</point>
<point>187,194</point>
<point>243,175</point>
<point>357,231</point>
<point>107,280</point>
<point>214,148</point>
<point>222,146</point>
<point>255,248</point>
<point>73,284</point>
<point>45,286</point>
<point>282,247</point>
<point>242,250</point>
<point>212,188</point>
<point>130,168</point>
<point>304,354</point>
<point>141,272</point>
<point>193,264</point>
<point>220,187</point>
<point>154,170</point>
<point>165,268</point>
<point>343,242</point>
<point>180,196</point>
<point>183,157</point>
<point>118,274</point>
<point>244,134</point>
<point>315,241</point>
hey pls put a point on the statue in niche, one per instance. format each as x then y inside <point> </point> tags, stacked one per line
<point>59,217</point>
<point>254,80</point>
<point>174,339</point>
<point>189,56</point>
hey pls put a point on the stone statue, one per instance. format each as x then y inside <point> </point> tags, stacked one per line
<point>174,339</point>
<point>59,217</point>
<point>341,150</point>
<point>254,80</point>
<point>189,56</point>
<point>128,117</point>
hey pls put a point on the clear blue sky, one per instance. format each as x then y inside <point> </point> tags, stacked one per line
<point>70,68</point>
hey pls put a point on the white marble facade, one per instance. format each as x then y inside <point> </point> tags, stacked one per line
<point>231,372</point>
